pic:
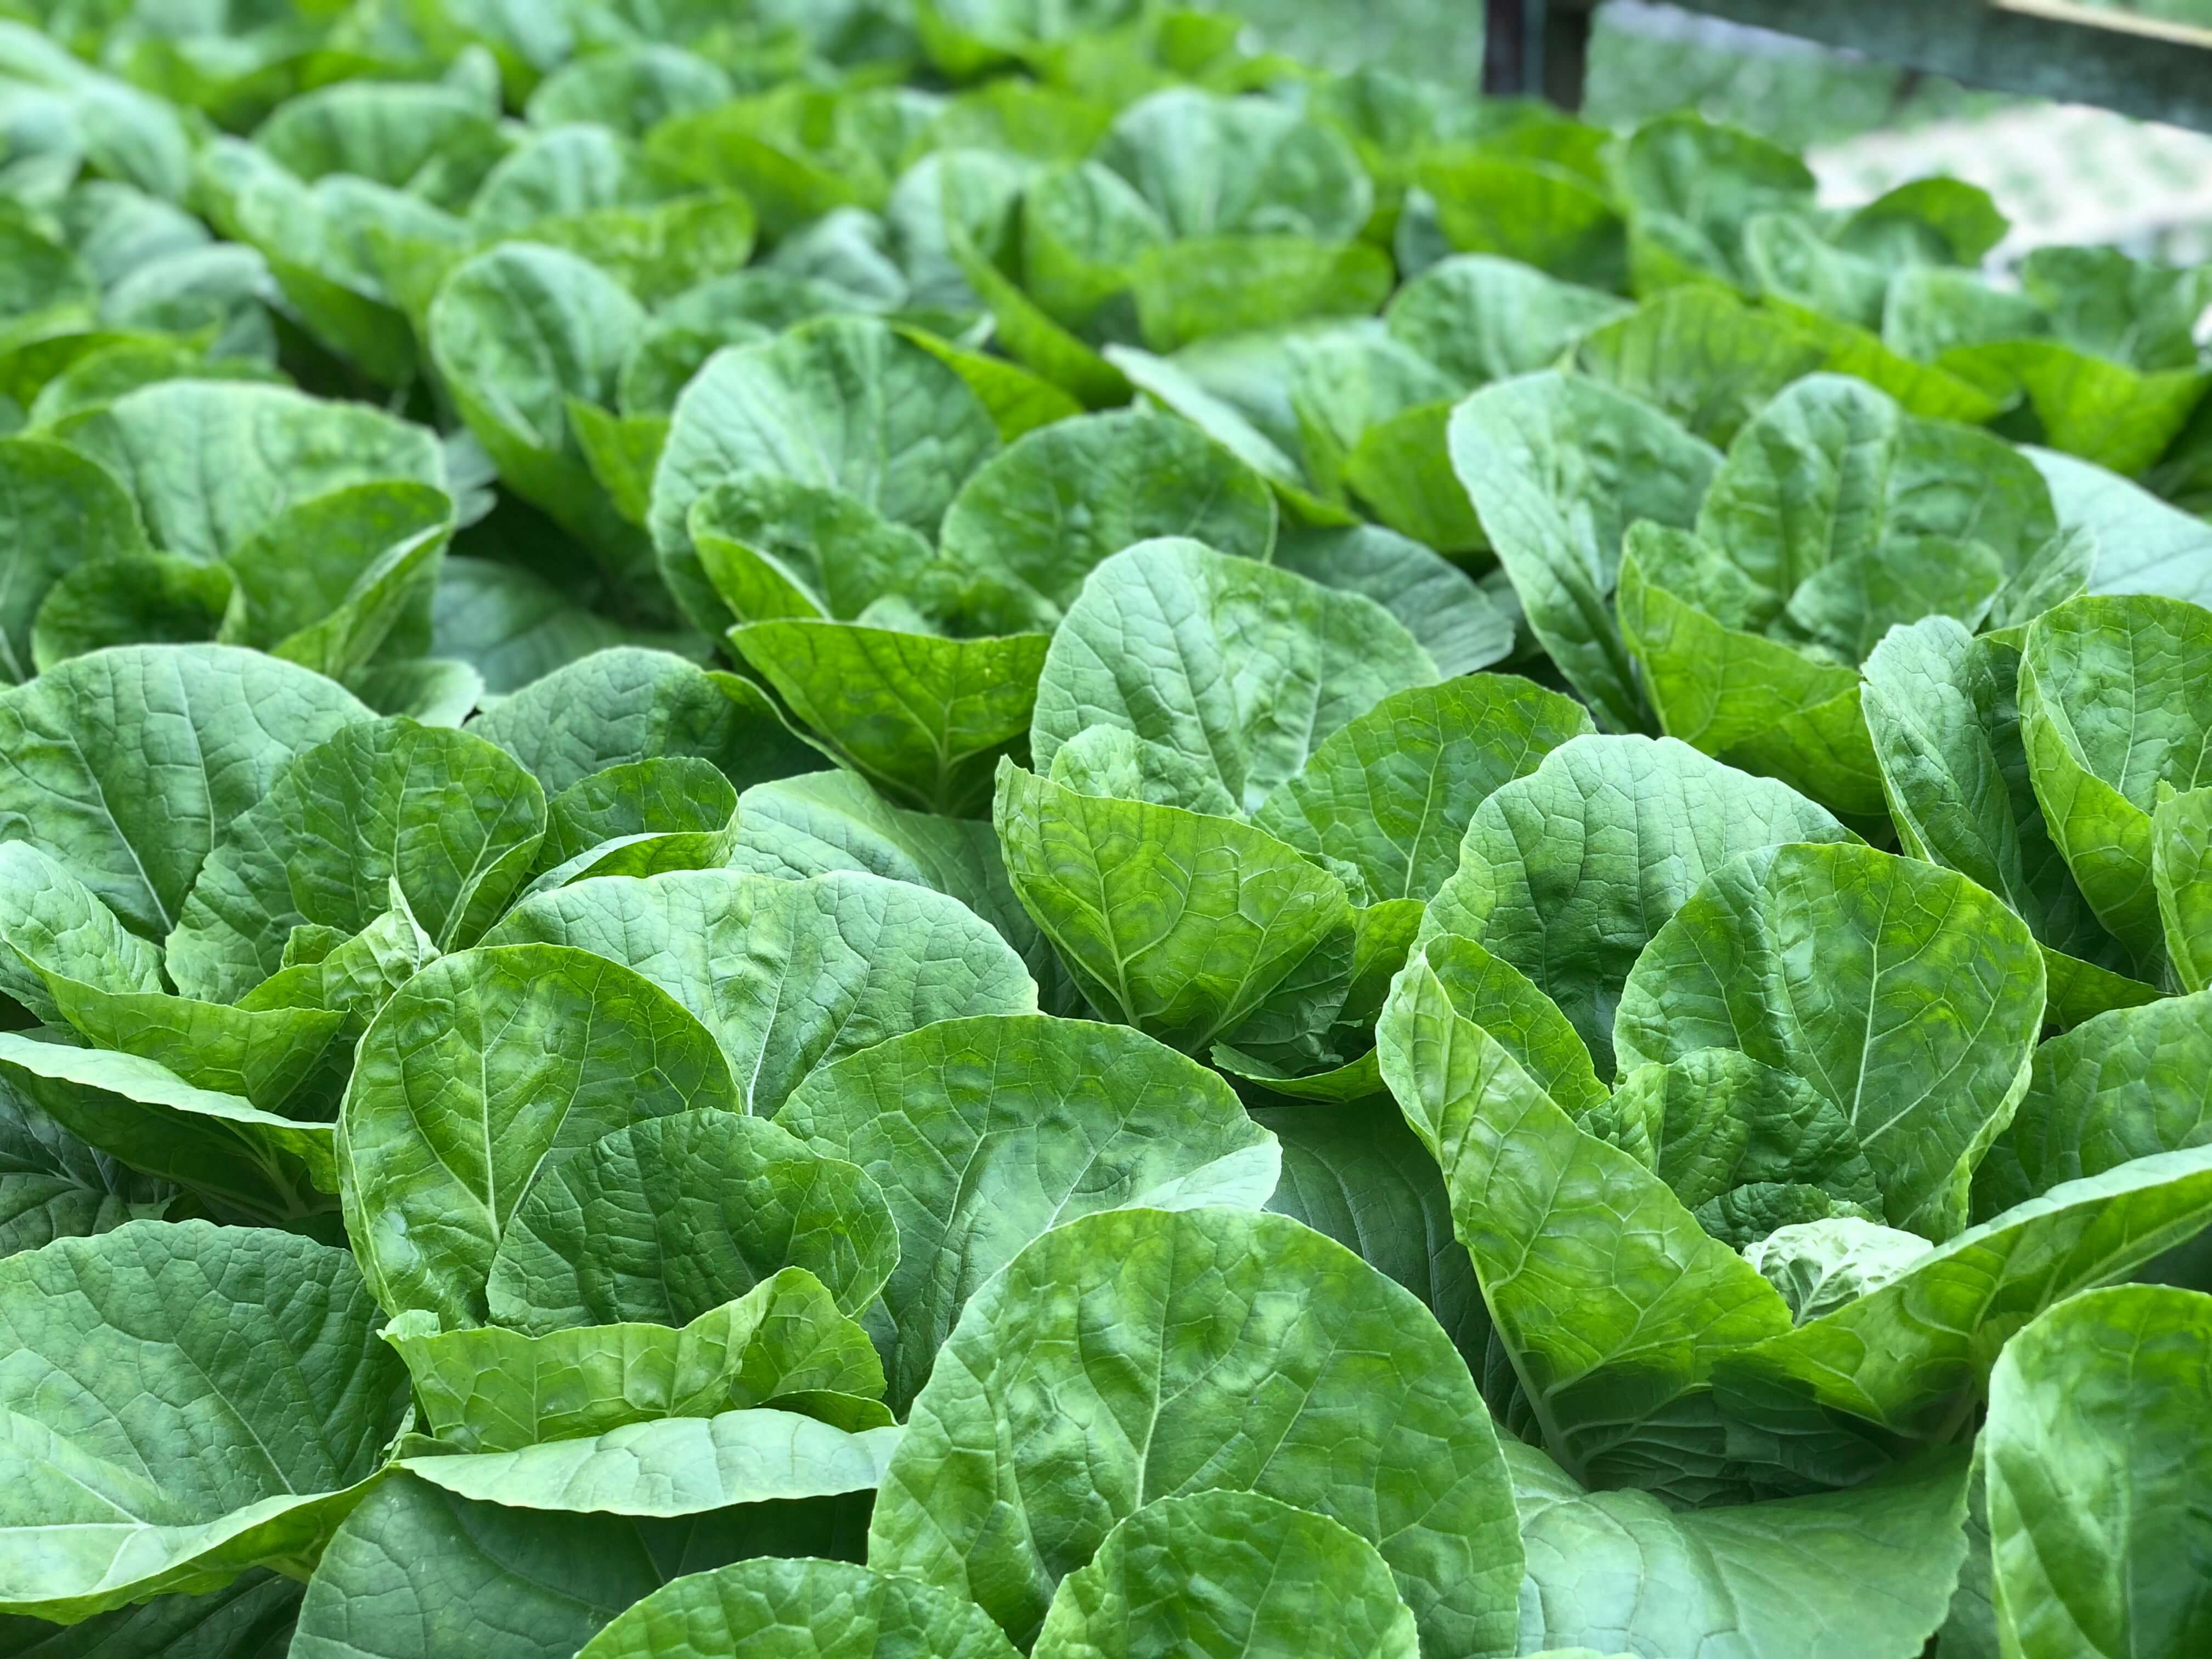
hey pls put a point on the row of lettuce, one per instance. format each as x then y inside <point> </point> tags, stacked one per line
<point>960,830</point>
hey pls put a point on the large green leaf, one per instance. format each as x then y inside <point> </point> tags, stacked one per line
<point>1482,319</point>
<point>2116,708</point>
<point>1237,668</point>
<point>183,1403</point>
<point>628,703</point>
<point>58,511</point>
<point>1178,923</point>
<point>1391,792</point>
<point>1908,997</point>
<point>480,1073</point>
<point>787,975</point>
<point>1558,466</point>
<point>251,1618</point>
<point>1554,1217</point>
<point>673,1466</point>
<point>1836,1575</point>
<point>493,1391</point>
<point>844,403</point>
<point>416,1573</point>
<point>1160,1354</point>
<point>52,1185</point>
<point>985,1133</point>
<point>1700,355</point>
<point>669,1218</point>
<point>2144,545</point>
<point>773,545</point>
<point>210,463</point>
<point>1031,523</point>
<point>1223,1574</point>
<point>450,818</point>
<point>204,730</point>
<point>801,1609</point>
<point>922,715</point>
<point>1211,164</point>
<point>1569,872</point>
<point>1451,616</point>
<point>52,923</point>
<point>332,580</point>
<point>2096,1454</point>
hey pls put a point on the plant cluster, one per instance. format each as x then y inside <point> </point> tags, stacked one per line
<point>863,830</point>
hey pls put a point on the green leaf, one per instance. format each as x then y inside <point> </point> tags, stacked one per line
<point>1229,1573</point>
<point>1708,180</point>
<point>418,1573</point>
<point>62,512</point>
<point>140,599</point>
<point>1558,467</point>
<point>672,807</point>
<point>513,626</point>
<point>1866,1572</point>
<point>515,332</point>
<point>2181,870</point>
<point>923,716</point>
<point>1918,1021</point>
<point>1401,470</point>
<point>210,463</point>
<point>2143,545</point>
<point>1910,1361</point>
<point>1202,286</point>
<point>1568,873</point>
<point>480,1073</point>
<point>985,1133</point>
<point>673,1466</point>
<point>1241,668</point>
<point>824,821</point>
<point>51,922</point>
<point>250,1619</point>
<point>2095,1456</point>
<point>1700,355</point>
<point>448,816</point>
<point>665,1220</point>
<point>1178,923</point>
<point>2130,1083</point>
<point>787,975</point>
<point>1167,1353</point>
<point>1450,616</point>
<point>1032,523</point>
<point>1530,212</point>
<point>801,1607</point>
<point>1821,1266</point>
<point>1480,318</point>
<point>1553,1216</point>
<point>760,539</point>
<point>184,1402</point>
<point>628,703</point>
<point>1391,792</point>
<point>204,730</point>
<point>141,1113</point>
<point>493,1390</point>
<point>843,403</point>
<point>2116,707</point>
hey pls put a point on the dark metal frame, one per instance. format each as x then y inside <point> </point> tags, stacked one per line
<point>1536,46</point>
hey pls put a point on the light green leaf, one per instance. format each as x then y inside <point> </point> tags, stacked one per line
<point>1702,355</point>
<point>1865,1574</point>
<point>628,703</point>
<point>61,512</point>
<point>682,804</point>
<point>1480,318</point>
<point>1241,668</point>
<point>761,538</point>
<point>801,1609</point>
<point>418,1573</point>
<point>183,1403</point>
<point>2144,545</point>
<point>493,1390</point>
<point>448,816</point>
<point>923,716</point>
<point>204,730</point>
<point>671,1217</point>
<point>2116,707</point>
<point>843,403</point>
<point>1167,1353</point>
<point>1224,1574</point>
<point>1908,997</point>
<point>1204,286</point>
<point>1178,923</point>
<point>2095,1455</point>
<point>210,463</point>
<point>1391,793</point>
<point>482,1071</point>
<point>1558,467</point>
<point>675,1466</point>
<point>51,922</point>
<point>1568,873</point>
<point>2181,870</point>
<point>1529,211</point>
<point>985,1133</point>
<point>788,975</point>
<point>1821,1266</point>
<point>1031,523</point>
<point>1450,616</point>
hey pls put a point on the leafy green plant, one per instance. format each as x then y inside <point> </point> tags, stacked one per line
<point>977,828</point>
